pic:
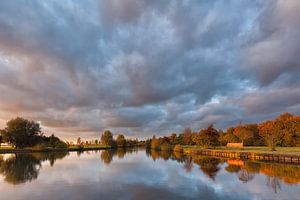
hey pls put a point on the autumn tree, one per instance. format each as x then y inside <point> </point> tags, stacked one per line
<point>283,131</point>
<point>288,127</point>
<point>207,137</point>
<point>242,133</point>
<point>268,131</point>
<point>107,138</point>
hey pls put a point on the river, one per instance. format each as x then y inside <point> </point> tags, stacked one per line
<point>140,174</point>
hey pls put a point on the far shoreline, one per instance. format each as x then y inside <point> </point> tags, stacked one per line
<point>70,149</point>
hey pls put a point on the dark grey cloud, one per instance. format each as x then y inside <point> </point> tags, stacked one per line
<point>276,51</point>
<point>147,67</point>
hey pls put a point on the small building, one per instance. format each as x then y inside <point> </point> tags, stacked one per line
<point>235,145</point>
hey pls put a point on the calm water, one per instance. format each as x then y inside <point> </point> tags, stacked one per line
<point>140,174</point>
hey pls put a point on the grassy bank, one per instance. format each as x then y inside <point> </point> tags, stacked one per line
<point>252,149</point>
<point>287,155</point>
<point>70,148</point>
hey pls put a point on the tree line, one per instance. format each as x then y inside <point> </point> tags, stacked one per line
<point>284,131</point>
<point>21,133</point>
<point>107,139</point>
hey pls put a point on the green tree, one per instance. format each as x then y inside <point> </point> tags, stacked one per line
<point>121,141</point>
<point>107,138</point>
<point>22,133</point>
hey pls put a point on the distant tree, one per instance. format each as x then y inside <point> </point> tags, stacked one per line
<point>1,138</point>
<point>243,133</point>
<point>187,136</point>
<point>107,138</point>
<point>79,141</point>
<point>22,133</point>
<point>207,137</point>
<point>96,142</point>
<point>121,141</point>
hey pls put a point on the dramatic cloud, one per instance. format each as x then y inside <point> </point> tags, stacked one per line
<point>147,67</point>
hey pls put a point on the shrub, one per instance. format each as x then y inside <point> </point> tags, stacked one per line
<point>178,148</point>
<point>40,147</point>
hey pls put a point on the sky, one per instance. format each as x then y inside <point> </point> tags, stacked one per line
<point>143,67</point>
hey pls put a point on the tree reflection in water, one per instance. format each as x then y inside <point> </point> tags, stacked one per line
<point>274,183</point>
<point>245,170</point>
<point>245,175</point>
<point>107,155</point>
<point>275,173</point>
<point>188,164</point>
<point>20,168</point>
<point>208,165</point>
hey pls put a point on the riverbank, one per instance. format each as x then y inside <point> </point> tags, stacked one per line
<point>290,155</point>
<point>4,150</point>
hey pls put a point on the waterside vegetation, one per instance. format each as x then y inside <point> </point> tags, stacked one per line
<point>278,136</point>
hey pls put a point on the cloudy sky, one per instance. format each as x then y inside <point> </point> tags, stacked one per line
<point>147,67</point>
